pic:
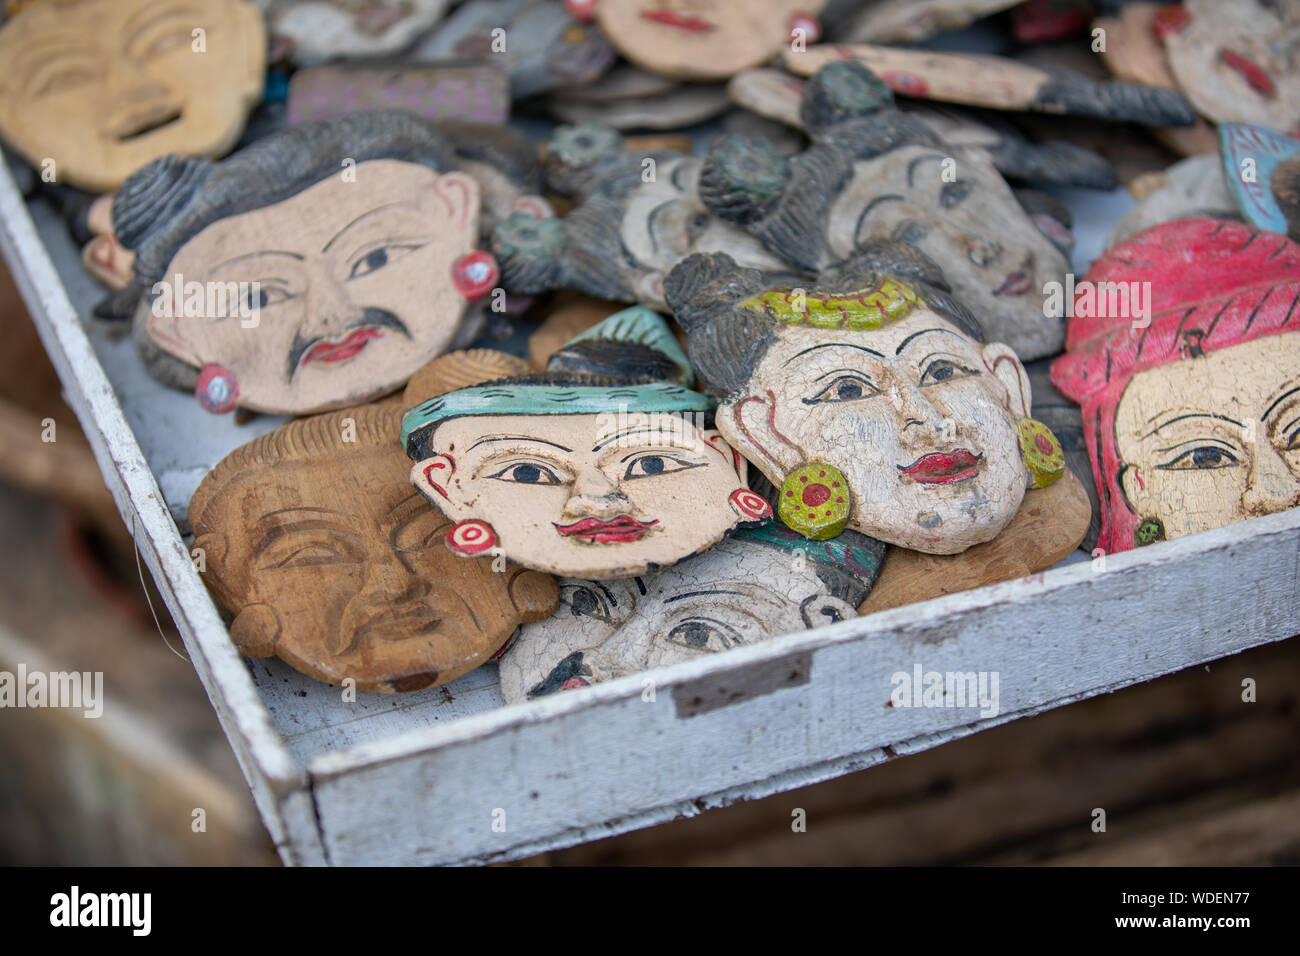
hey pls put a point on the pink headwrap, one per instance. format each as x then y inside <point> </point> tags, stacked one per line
<point>1214,284</point>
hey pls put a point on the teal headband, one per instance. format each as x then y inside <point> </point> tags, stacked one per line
<point>506,398</point>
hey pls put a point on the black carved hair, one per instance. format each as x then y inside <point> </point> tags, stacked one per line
<point>727,344</point>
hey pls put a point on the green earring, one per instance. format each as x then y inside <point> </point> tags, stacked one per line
<point>814,500</point>
<point>1041,452</point>
<point>1149,531</point>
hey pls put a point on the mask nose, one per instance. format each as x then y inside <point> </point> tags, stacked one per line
<point>135,102</point>
<point>388,587</point>
<point>1272,486</point>
<point>329,307</point>
<point>596,496</point>
<point>921,421</point>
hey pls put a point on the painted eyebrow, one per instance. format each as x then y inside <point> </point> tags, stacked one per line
<point>364,215</point>
<point>258,252</point>
<point>1278,401</point>
<point>651,220</point>
<point>43,51</point>
<point>669,432</point>
<point>540,441</point>
<point>1179,418</point>
<point>711,592</point>
<point>903,344</point>
<point>911,167</point>
<point>831,345</point>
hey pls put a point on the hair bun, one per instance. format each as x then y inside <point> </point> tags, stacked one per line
<point>155,194</point>
<point>841,91</point>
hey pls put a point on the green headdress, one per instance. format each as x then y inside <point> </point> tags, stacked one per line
<point>629,362</point>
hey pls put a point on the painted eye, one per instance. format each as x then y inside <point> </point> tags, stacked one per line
<point>1202,458</point>
<point>527,473</point>
<point>67,79</point>
<point>704,634</point>
<point>911,230</point>
<point>649,466</point>
<point>260,296</point>
<point>952,194</point>
<point>584,601</point>
<point>376,259</point>
<point>846,388</point>
<point>944,370</point>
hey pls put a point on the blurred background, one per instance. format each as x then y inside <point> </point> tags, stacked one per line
<point>1187,772</point>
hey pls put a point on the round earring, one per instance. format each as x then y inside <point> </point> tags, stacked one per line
<point>750,505</point>
<point>475,274</point>
<point>471,538</point>
<point>806,27</point>
<point>217,389</point>
<point>814,500</point>
<point>1148,531</point>
<point>1041,452</point>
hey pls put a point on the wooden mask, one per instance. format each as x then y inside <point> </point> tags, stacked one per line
<point>604,466</point>
<point>91,90</point>
<point>875,173</point>
<point>758,584</point>
<point>647,205</point>
<point>313,538</point>
<point>318,267</point>
<point>704,39</point>
<point>869,400</point>
<point>1192,413</point>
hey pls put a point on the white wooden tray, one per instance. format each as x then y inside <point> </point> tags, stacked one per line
<point>450,775</point>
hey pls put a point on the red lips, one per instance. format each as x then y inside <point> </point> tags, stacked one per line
<point>943,468</point>
<point>621,529</point>
<point>670,19</point>
<point>341,351</point>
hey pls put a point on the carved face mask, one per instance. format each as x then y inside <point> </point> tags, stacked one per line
<point>752,587</point>
<point>331,295</point>
<point>1192,419</point>
<point>581,475</point>
<point>867,407</point>
<point>330,561</point>
<point>349,304</point>
<point>92,90</point>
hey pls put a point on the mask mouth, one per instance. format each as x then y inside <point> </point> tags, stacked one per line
<point>146,122</point>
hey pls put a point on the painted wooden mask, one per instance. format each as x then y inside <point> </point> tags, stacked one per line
<point>317,268</point>
<point>605,466</point>
<point>638,216</point>
<point>758,584</point>
<point>314,539</point>
<point>1191,411</point>
<point>92,90</point>
<point>877,173</point>
<point>870,400</point>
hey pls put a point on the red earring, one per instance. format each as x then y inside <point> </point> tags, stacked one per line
<point>217,390</point>
<point>805,26</point>
<point>584,11</point>
<point>750,505</point>
<point>475,274</point>
<point>471,538</point>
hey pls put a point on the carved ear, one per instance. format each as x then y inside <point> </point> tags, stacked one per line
<point>535,595</point>
<point>432,478</point>
<point>460,196</point>
<point>256,630</point>
<point>748,425</point>
<point>1006,368</point>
